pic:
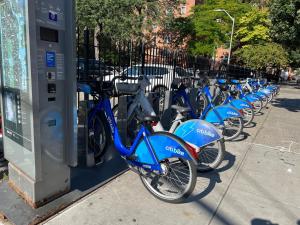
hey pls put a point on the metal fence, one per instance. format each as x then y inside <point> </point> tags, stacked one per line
<point>105,59</point>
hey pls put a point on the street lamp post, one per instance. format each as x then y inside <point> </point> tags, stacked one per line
<point>232,30</point>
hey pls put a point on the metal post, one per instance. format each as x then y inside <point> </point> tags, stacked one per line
<point>231,39</point>
<point>86,37</point>
<point>232,30</point>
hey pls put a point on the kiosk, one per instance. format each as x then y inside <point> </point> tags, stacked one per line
<point>38,92</point>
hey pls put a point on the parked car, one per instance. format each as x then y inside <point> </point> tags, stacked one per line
<point>162,75</point>
<point>96,69</point>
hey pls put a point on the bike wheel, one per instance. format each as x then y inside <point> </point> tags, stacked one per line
<point>258,105</point>
<point>178,181</point>
<point>161,89</point>
<point>248,116</point>
<point>99,135</point>
<point>202,103</point>
<point>265,101</point>
<point>211,156</point>
<point>219,97</point>
<point>233,127</point>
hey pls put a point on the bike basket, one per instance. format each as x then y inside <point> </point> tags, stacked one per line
<point>126,88</point>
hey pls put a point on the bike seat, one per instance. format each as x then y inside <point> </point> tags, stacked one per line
<point>127,88</point>
<point>150,119</point>
<point>85,88</point>
<point>235,81</point>
<point>222,81</point>
<point>180,108</point>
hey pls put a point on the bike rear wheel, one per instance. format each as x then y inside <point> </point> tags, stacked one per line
<point>258,105</point>
<point>211,156</point>
<point>248,116</point>
<point>233,127</point>
<point>177,183</point>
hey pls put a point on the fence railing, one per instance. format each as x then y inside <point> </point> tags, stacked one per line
<point>104,59</point>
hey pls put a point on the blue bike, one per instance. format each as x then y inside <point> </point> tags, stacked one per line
<point>164,162</point>
<point>225,93</point>
<point>225,117</point>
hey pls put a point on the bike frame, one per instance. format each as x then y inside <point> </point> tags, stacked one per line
<point>105,105</point>
<point>182,94</point>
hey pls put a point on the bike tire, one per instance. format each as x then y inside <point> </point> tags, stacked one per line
<point>235,134</point>
<point>258,105</point>
<point>99,135</point>
<point>250,113</point>
<point>209,159</point>
<point>183,162</point>
<point>161,89</point>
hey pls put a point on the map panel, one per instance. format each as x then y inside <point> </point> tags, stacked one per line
<point>14,69</point>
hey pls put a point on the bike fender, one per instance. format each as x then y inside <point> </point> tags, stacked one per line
<point>163,146</point>
<point>251,98</point>
<point>198,132</point>
<point>266,91</point>
<point>240,104</point>
<point>261,94</point>
<point>222,112</point>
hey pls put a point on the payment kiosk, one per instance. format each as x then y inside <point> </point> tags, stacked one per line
<point>38,92</point>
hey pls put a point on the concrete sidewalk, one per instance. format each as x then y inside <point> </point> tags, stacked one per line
<point>257,184</point>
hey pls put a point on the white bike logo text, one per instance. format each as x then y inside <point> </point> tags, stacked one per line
<point>174,150</point>
<point>205,132</point>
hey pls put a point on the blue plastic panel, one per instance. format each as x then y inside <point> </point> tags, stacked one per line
<point>163,146</point>
<point>240,104</point>
<point>220,113</point>
<point>198,132</point>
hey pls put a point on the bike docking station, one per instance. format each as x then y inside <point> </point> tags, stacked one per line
<point>39,119</point>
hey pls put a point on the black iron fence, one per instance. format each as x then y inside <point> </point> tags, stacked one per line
<point>103,59</point>
<point>106,59</point>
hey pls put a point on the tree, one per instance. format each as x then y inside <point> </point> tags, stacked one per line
<point>124,19</point>
<point>209,28</point>
<point>254,27</point>
<point>285,29</point>
<point>262,56</point>
<point>259,3</point>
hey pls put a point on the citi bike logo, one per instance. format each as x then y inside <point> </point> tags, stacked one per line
<point>174,150</point>
<point>205,132</point>
<point>244,105</point>
<point>232,113</point>
<point>110,123</point>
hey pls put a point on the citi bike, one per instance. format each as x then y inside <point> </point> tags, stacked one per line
<point>163,161</point>
<point>224,94</point>
<point>201,135</point>
<point>225,117</point>
<point>238,91</point>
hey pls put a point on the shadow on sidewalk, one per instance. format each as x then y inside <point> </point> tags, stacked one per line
<point>257,221</point>
<point>214,177</point>
<point>292,105</point>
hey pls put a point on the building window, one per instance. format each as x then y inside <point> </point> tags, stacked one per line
<point>183,10</point>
